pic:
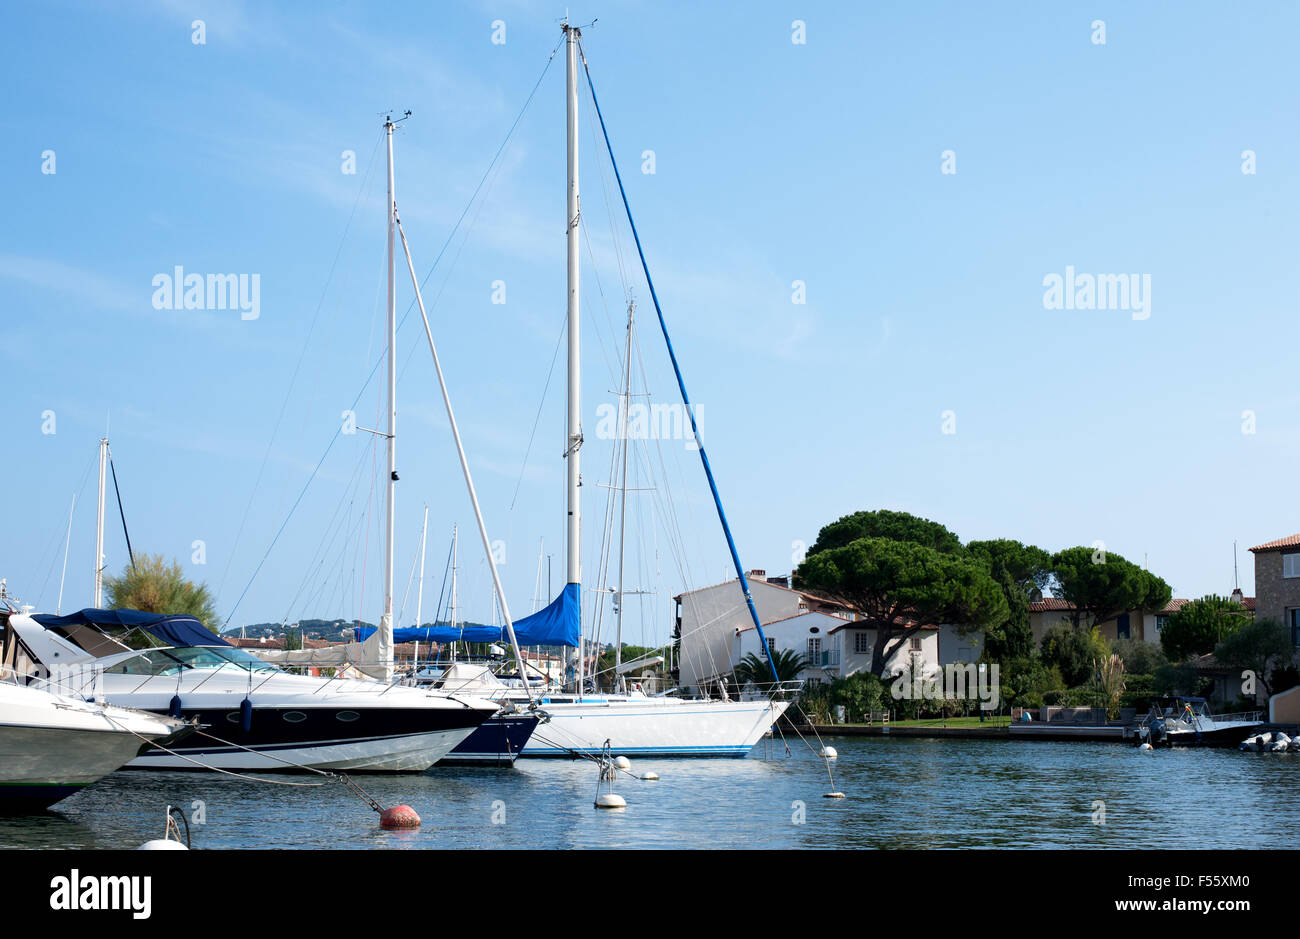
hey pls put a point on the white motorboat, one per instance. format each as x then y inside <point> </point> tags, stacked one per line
<point>52,746</point>
<point>1181,721</point>
<point>253,715</point>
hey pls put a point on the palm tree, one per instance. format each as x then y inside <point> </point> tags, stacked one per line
<point>757,670</point>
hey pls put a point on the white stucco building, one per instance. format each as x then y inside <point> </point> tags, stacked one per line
<point>717,632</point>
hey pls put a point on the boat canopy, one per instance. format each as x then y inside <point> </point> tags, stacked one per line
<point>556,624</point>
<point>173,629</point>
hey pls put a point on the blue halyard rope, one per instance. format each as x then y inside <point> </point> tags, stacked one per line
<point>681,384</point>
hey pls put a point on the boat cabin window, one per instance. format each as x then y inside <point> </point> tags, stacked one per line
<point>174,661</point>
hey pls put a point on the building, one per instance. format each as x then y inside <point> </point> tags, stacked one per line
<point>717,632</point>
<point>1277,582</point>
<point>1135,624</point>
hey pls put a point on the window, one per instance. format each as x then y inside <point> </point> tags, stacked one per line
<point>862,643</point>
<point>771,644</point>
<point>915,644</point>
<point>1161,621</point>
<point>815,651</point>
<point>1291,565</point>
<point>1295,627</point>
<point>1122,626</point>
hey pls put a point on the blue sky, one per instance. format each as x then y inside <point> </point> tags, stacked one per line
<point>775,162</point>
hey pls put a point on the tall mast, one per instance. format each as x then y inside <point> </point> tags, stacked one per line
<point>622,524</point>
<point>386,621</point>
<point>419,593</point>
<point>452,623</point>
<point>573,437</point>
<point>99,526</point>
<point>58,608</point>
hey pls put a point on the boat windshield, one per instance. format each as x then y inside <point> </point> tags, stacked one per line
<point>175,661</point>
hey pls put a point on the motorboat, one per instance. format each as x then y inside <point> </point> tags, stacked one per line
<point>52,745</point>
<point>253,715</point>
<point>1181,721</point>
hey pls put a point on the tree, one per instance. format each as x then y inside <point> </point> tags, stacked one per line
<point>1075,652</point>
<point>899,586</point>
<point>754,669</point>
<point>1140,657</point>
<point>1019,569</point>
<point>1101,585</point>
<point>1200,626</point>
<point>896,526</point>
<point>154,586</point>
<point>1262,647</point>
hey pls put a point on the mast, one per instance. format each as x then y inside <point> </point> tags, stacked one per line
<point>573,437</point>
<point>386,621</point>
<point>99,526</point>
<point>419,592</point>
<point>67,543</point>
<point>452,623</point>
<point>622,524</point>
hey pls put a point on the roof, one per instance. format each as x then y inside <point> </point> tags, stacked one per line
<point>898,620</point>
<point>1290,541</point>
<point>1057,605</point>
<point>786,619</point>
<point>817,595</point>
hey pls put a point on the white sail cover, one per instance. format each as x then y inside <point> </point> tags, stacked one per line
<point>374,656</point>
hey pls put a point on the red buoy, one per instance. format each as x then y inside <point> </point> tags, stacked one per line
<point>399,816</point>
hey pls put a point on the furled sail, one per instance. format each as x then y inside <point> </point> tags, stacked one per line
<point>554,625</point>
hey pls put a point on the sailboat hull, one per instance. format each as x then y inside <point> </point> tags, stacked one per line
<point>497,742</point>
<point>653,727</point>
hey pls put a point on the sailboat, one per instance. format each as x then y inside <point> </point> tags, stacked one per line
<point>632,722</point>
<point>260,717</point>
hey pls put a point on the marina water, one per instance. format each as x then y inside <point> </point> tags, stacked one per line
<point>900,793</point>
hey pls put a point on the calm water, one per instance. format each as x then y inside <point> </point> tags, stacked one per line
<point>900,793</point>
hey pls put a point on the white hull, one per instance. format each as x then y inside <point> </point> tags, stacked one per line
<point>653,727</point>
<point>51,746</point>
<point>412,753</point>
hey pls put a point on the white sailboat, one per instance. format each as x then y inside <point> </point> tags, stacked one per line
<point>633,722</point>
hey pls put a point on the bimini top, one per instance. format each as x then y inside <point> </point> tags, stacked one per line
<point>178,630</point>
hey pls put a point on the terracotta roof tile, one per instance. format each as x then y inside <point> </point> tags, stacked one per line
<point>1290,541</point>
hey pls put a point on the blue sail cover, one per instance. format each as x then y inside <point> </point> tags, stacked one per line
<point>554,625</point>
<point>175,630</point>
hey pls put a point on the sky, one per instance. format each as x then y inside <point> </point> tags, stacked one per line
<point>853,219</point>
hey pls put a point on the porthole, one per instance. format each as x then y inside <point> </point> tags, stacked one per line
<point>233,717</point>
<point>347,715</point>
<point>294,717</point>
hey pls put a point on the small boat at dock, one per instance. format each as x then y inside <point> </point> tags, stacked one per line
<point>1180,721</point>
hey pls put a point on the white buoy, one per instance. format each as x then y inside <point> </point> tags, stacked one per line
<point>1146,746</point>
<point>833,795</point>
<point>162,844</point>
<point>651,776</point>
<point>829,753</point>
<point>622,762</point>
<point>610,800</point>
